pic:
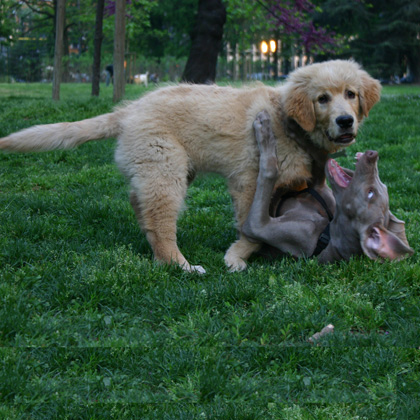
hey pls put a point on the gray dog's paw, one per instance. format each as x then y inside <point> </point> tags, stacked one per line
<point>267,145</point>
<point>263,116</point>
<point>264,133</point>
<point>262,122</point>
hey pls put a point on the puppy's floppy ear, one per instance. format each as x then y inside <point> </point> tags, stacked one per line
<point>370,92</point>
<point>299,106</point>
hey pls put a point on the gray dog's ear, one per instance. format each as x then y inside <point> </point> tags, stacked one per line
<point>299,106</point>
<point>381,243</point>
<point>397,227</point>
<point>370,92</point>
<point>387,242</point>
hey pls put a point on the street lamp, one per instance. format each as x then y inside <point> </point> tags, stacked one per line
<point>267,48</point>
<point>273,46</point>
<point>270,46</point>
<point>264,47</point>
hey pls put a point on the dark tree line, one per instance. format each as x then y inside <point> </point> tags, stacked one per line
<point>382,34</point>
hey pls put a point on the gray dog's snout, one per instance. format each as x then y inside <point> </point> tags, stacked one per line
<point>344,121</point>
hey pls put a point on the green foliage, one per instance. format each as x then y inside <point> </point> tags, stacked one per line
<point>7,23</point>
<point>91,327</point>
<point>171,24</point>
<point>246,23</point>
<point>138,13</point>
<point>381,34</point>
<point>38,20</point>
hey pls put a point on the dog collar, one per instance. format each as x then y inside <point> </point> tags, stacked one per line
<point>341,153</point>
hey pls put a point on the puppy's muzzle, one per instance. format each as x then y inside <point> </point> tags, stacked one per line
<point>345,121</point>
<point>346,130</point>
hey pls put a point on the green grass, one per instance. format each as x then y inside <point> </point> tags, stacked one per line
<point>92,328</point>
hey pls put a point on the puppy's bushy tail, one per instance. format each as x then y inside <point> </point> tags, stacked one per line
<point>61,135</point>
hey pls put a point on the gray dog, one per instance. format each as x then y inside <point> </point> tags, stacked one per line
<point>351,219</point>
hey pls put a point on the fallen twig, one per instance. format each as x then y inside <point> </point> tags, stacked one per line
<point>329,329</point>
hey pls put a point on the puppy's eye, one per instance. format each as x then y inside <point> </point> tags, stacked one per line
<point>351,94</point>
<point>323,99</point>
<point>370,195</point>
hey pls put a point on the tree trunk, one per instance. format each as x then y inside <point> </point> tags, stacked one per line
<point>58,49</point>
<point>413,60</point>
<point>206,42</point>
<point>119,44</point>
<point>65,69</point>
<point>96,68</point>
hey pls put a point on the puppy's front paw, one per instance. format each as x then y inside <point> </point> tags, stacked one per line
<point>232,256</point>
<point>235,264</point>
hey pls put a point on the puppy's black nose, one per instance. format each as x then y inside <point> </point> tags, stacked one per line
<point>344,121</point>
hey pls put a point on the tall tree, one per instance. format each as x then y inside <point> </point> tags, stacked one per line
<point>206,42</point>
<point>383,35</point>
<point>119,50</point>
<point>38,19</point>
<point>58,50</point>
<point>97,44</point>
<point>294,19</point>
<point>248,23</point>
<point>396,35</point>
<point>7,23</point>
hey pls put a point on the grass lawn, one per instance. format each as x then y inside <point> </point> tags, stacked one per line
<point>92,328</point>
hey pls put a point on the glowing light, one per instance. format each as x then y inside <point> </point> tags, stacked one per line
<point>273,46</point>
<point>264,47</point>
<point>269,46</point>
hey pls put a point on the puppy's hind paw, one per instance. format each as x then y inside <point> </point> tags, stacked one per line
<point>197,269</point>
<point>193,268</point>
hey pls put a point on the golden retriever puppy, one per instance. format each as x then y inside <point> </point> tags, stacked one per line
<point>170,134</point>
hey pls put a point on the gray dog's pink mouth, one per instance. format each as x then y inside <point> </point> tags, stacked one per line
<point>343,139</point>
<point>336,172</point>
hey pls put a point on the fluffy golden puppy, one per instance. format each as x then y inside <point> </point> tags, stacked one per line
<point>170,134</point>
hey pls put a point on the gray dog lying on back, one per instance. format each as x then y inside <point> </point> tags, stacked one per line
<point>351,219</point>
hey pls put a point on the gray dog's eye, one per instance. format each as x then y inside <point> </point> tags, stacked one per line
<point>370,194</point>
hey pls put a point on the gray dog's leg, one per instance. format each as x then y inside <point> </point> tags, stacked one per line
<point>258,217</point>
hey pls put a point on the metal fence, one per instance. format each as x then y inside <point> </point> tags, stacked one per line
<point>29,60</point>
